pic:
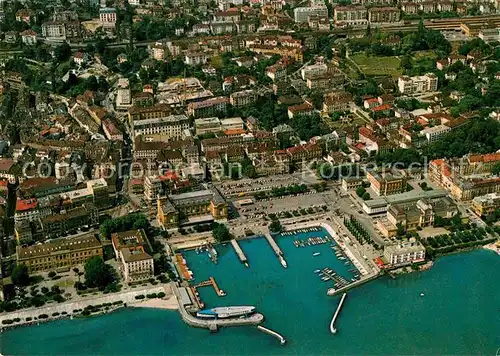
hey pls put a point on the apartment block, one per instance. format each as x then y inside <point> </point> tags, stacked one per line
<point>486,204</point>
<point>302,14</point>
<point>350,16</point>
<point>377,15</point>
<point>418,84</point>
<point>171,126</point>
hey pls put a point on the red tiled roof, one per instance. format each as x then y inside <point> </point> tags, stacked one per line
<point>170,175</point>
<point>26,204</point>
<point>6,164</point>
<point>231,132</point>
<point>490,157</point>
<point>382,108</point>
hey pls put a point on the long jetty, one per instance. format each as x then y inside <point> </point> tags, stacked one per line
<point>239,252</point>
<point>333,330</point>
<point>273,333</point>
<point>276,249</point>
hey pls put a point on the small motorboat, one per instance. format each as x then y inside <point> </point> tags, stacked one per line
<point>316,254</point>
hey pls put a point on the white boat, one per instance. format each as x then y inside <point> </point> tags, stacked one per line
<point>225,312</point>
<point>422,294</point>
<point>317,271</point>
<point>330,291</point>
<point>316,254</point>
<point>283,262</point>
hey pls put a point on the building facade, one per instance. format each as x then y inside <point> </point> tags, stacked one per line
<point>198,206</point>
<point>350,16</point>
<point>171,126</point>
<point>404,253</point>
<point>386,183</point>
<point>61,253</point>
<point>418,84</point>
<point>302,14</point>
<point>131,250</point>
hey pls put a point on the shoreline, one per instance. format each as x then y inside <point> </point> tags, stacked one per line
<point>494,246</point>
<point>73,309</point>
<point>168,304</point>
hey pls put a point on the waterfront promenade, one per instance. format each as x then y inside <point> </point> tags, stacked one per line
<point>127,297</point>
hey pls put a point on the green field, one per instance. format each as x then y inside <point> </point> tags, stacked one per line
<point>377,65</point>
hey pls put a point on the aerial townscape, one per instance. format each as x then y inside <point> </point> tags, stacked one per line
<point>306,177</point>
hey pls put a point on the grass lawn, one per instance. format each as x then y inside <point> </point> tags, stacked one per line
<point>424,54</point>
<point>354,120</point>
<point>372,65</point>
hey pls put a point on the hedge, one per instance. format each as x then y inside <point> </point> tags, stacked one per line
<point>141,296</point>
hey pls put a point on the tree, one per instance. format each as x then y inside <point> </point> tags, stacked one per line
<point>496,169</point>
<point>275,227</point>
<point>250,171</point>
<point>360,191</point>
<point>20,275</point>
<point>220,232</point>
<point>97,273</point>
<point>366,196</point>
<point>62,52</point>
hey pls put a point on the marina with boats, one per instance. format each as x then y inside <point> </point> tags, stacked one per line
<point>333,262</point>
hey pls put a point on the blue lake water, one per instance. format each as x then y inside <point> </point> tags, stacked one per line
<point>459,313</point>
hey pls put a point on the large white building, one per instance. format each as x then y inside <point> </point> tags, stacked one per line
<point>170,126</point>
<point>196,58</point>
<point>434,133</point>
<point>207,125</point>
<point>107,16</point>
<point>404,253</point>
<point>301,14</point>
<point>418,84</point>
<point>131,247</point>
<point>313,70</point>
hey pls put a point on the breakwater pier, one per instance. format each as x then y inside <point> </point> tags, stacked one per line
<point>333,330</point>
<point>273,333</point>
<point>276,249</point>
<point>239,252</point>
<point>213,324</point>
